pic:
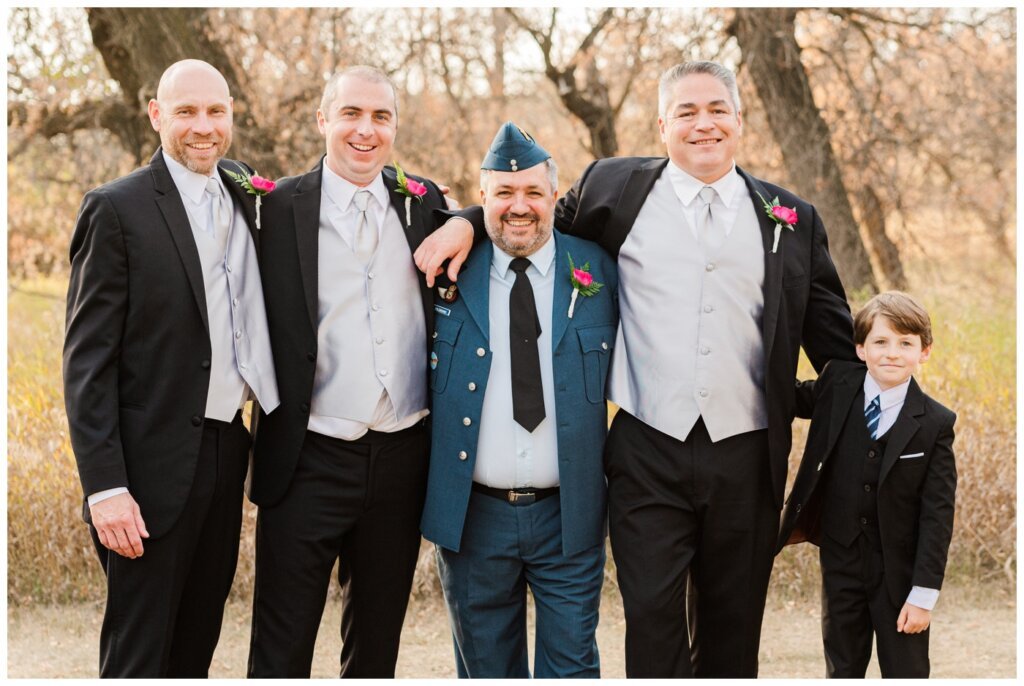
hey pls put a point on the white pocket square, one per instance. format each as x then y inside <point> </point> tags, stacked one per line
<point>911,455</point>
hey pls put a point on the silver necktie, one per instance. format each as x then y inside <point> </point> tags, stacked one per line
<point>220,212</point>
<point>366,229</point>
<point>709,235</point>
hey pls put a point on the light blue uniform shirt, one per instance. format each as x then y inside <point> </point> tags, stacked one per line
<point>509,456</point>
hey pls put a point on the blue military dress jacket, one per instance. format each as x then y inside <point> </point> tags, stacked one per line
<point>581,354</point>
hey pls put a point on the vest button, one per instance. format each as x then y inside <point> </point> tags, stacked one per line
<point>820,465</point>
<point>311,357</point>
<point>471,386</point>
<point>871,453</point>
<point>798,506</point>
<point>480,352</point>
<point>196,420</point>
<point>863,520</point>
<point>463,455</point>
<point>867,487</point>
<point>304,408</point>
<point>205,364</point>
<point>466,421</point>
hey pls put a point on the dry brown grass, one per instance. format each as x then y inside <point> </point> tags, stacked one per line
<point>972,370</point>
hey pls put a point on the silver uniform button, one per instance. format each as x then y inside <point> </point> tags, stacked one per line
<point>604,346</point>
<point>463,455</point>
<point>480,352</point>
<point>471,386</point>
<point>467,421</point>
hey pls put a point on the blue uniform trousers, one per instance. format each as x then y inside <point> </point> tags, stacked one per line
<point>504,548</point>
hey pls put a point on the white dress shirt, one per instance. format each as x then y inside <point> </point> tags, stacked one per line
<point>509,456</point>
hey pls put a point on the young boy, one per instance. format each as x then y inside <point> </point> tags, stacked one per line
<point>876,491</point>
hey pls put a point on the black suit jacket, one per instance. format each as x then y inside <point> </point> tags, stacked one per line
<point>137,341</point>
<point>916,495</point>
<point>804,301</point>
<point>288,264</point>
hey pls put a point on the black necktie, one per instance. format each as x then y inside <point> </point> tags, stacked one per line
<point>524,330</point>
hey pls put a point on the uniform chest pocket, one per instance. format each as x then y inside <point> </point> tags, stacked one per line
<point>446,333</point>
<point>596,344</point>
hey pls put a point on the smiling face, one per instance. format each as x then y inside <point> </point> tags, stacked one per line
<point>192,113</point>
<point>359,127</point>
<point>701,127</point>
<point>519,209</point>
<point>891,357</point>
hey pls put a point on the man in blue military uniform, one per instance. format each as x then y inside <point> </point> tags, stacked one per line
<point>516,493</point>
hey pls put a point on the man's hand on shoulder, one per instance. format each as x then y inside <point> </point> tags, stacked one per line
<point>453,240</point>
<point>118,522</point>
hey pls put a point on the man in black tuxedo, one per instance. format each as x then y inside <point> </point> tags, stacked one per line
<point>340,470</point>
<point>717,297</point>
<point>166,337</point>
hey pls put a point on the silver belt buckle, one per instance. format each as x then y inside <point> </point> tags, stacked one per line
<point>521,498</point>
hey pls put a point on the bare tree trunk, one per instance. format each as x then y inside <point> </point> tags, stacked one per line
<point>886,255</point>
<point>590,101</point>
<point>137,45</point>
<point>772,56</point>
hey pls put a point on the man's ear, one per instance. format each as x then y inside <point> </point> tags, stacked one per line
<point>153,109</point>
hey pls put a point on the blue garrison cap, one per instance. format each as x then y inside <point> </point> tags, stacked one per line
<point>513,150</point>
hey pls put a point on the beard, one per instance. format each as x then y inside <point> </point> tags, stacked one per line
<point>518,247</point>
<point>179,151</point>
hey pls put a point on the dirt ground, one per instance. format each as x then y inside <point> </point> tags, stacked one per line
<point>974,636</point>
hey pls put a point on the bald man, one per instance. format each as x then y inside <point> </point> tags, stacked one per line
<point>166,340</point>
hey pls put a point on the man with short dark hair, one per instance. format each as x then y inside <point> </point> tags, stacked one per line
<point>166,338</point>
<point>340,469</point>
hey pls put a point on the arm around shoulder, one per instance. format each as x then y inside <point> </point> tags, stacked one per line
<point>828,325</point>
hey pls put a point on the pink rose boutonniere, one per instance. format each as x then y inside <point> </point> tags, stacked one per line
<point>410,188</point>
<point>782,216</point>
<point>582,283</point>
<point>254,185</point>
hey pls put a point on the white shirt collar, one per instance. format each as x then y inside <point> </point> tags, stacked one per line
<point>894,396</point>
<point>687,186</point>
<point>341,190</point>
<point>190,184</point>
<point>541,260</point>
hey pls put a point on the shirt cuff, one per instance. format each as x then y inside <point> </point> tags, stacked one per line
<point>924,598</point>
<point>103,495</point>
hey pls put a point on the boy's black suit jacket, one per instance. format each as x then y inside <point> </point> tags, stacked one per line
<point>916,495</point>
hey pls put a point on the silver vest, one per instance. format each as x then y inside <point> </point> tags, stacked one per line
<point>370,330</point>
<point>690,342</point>
<point>239,335</point>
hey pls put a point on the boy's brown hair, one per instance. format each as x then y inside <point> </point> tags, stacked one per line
<point>905,315</point>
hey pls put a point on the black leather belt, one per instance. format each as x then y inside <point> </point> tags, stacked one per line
<point>516,496</point>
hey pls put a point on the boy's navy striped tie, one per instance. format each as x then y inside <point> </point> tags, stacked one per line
<point>872,413</point>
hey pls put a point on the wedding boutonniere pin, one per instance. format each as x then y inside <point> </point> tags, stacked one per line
<point>254,185</point>
<point>410,188</point>
<point>782,216</point>
<point>582,283</point>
